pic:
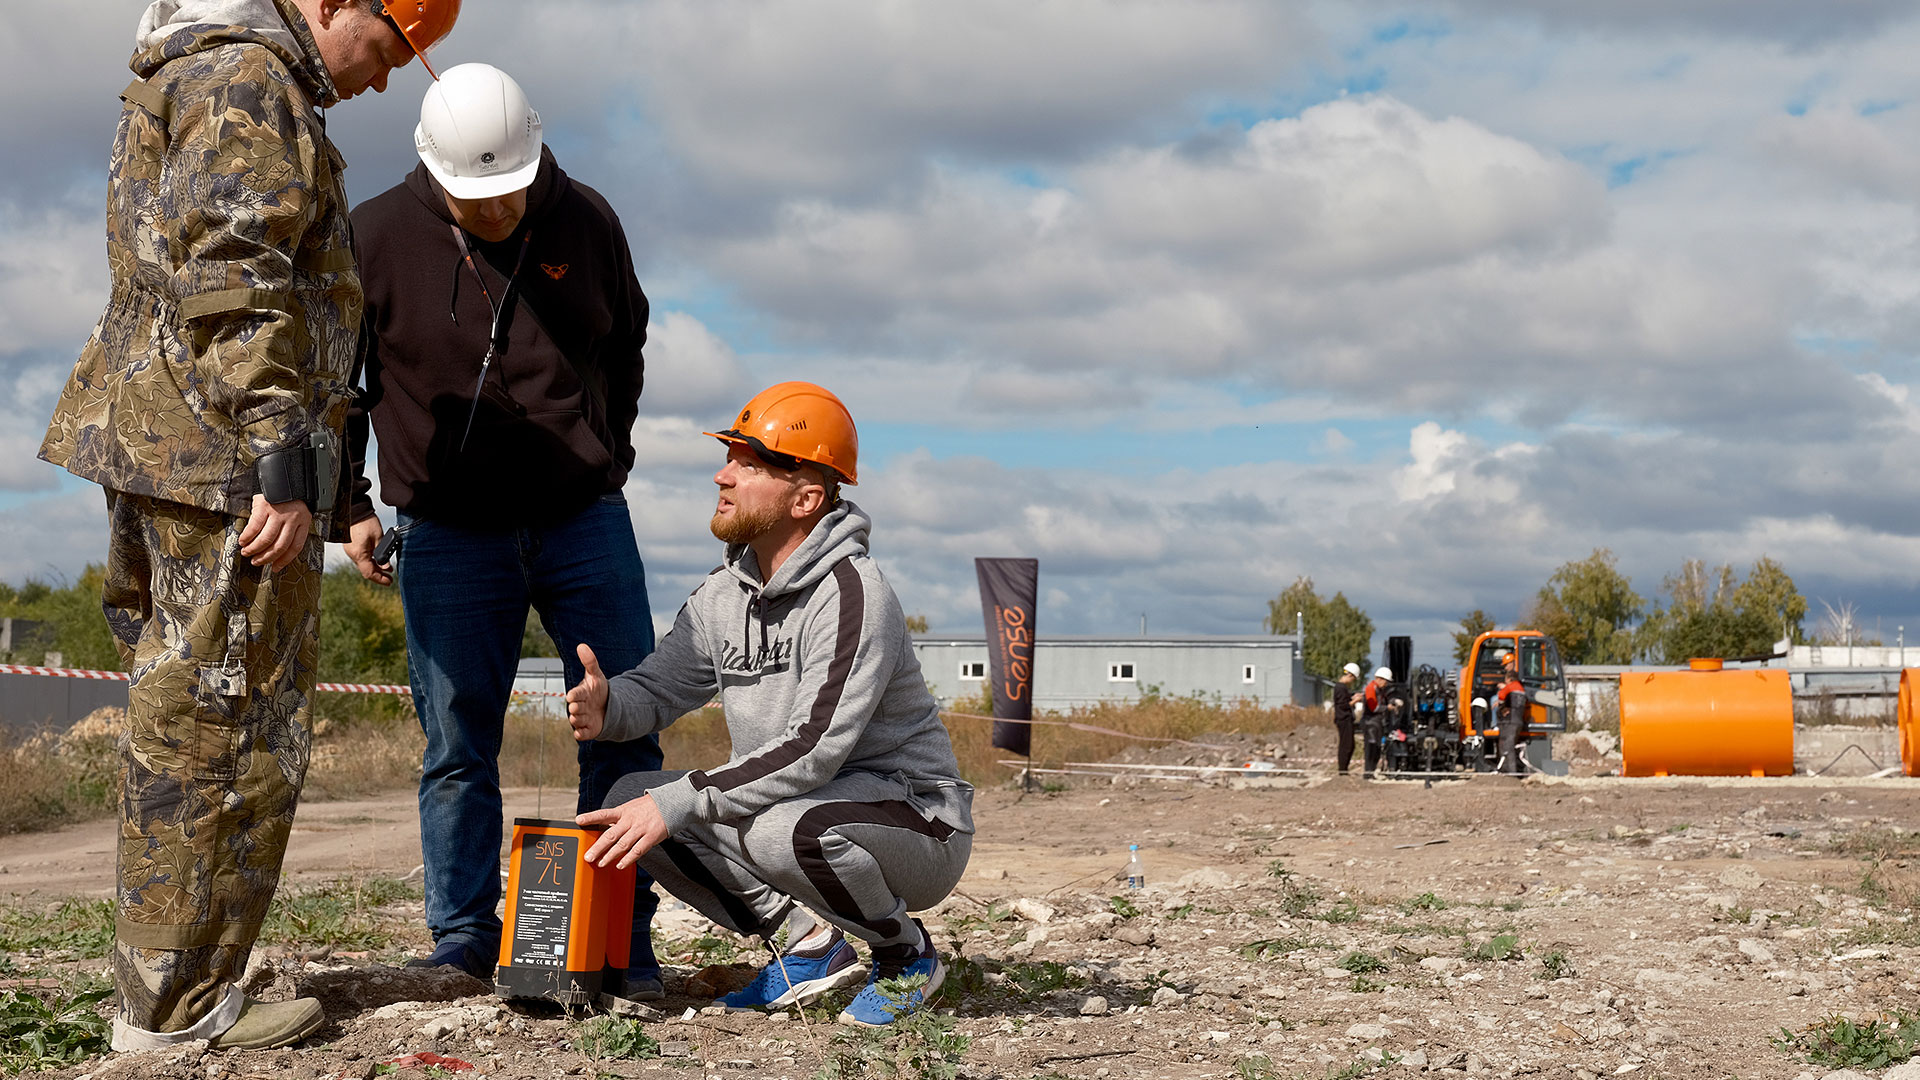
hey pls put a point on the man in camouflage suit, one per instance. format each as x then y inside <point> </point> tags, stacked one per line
<point>227,345</point>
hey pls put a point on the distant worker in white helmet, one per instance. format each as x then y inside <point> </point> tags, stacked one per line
<point>1343,712</point>
<point>503,376</point>
<point>1376,714</point>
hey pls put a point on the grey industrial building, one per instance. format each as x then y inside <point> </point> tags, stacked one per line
<point>1082,669</point>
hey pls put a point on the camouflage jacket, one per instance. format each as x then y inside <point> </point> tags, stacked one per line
<point>234,315</point>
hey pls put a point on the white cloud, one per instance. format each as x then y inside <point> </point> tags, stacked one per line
<point>53,275</point>
<point>1578,265</point>
<point>1363,187</point>
<point>1788,21</point>
<point>691,372</point>
<point>1362,248</point>
<point>847,95</point>
<point>1333,443</point>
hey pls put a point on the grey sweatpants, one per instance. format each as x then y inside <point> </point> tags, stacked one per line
<point>855,852</point>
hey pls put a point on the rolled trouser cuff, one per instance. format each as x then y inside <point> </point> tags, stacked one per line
<point>184,936</point>
<point>126,1037</point>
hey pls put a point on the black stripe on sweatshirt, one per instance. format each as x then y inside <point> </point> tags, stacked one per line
<point>696,872</point>
<point>853,607</point>
<point>810,852</point>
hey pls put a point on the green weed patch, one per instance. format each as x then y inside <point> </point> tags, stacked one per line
<point>1840,1043</point>
<point>39,1034</point>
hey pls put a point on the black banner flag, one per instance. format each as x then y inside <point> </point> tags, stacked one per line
<point>1009,589</point>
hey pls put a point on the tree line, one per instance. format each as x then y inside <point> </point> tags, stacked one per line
<point>1592,612</point>
<point>363,636</point>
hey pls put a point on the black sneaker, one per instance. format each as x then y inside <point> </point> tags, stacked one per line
<point>457,954</point>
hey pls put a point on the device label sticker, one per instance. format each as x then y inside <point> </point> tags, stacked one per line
<point>544,911</point>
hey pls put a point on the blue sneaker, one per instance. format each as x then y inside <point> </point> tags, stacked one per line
<point>874,1007</point>
<point>795,978</point>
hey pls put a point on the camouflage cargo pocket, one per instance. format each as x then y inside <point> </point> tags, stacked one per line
<point>190,693</point>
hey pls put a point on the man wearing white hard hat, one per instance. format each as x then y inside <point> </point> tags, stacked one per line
<point>503,376</point>
<point>1378,712</point>
<point>1343,712</point>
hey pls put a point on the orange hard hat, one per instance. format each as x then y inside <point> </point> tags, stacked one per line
<point>422,23</point>
<point>797,421</point>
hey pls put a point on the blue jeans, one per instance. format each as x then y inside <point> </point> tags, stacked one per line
<point>466,594</point>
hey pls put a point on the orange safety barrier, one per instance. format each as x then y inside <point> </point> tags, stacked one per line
<point>1706,721</point>
<point>1909,738</point>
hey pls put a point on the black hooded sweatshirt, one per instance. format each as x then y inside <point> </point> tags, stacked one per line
<point>553,430</point>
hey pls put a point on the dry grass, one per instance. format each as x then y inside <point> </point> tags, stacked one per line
<point>35,789</point>
<point>360,751</point>
<point>49,780</point>
<point>539,750</point>
<point>536,750</point>
<point>1154,719</point>
<point>366,754</point>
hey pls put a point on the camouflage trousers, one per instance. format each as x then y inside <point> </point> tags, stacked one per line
<point>222,655</point>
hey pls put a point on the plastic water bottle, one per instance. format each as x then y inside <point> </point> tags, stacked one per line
<point>1136,870</point>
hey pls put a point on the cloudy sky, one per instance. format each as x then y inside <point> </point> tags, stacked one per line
<point>1186,298</point>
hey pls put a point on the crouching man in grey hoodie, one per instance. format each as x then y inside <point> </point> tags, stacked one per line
<point>842,807</point>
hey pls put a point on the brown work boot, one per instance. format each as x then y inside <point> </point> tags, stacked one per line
<point>268,1025</point>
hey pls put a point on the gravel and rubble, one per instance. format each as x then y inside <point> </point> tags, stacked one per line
<point>1487,928</point>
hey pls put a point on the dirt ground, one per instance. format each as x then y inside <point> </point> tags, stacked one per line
<point>1304,926</point>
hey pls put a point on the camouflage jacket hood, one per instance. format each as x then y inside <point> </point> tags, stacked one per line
<point>171,29</point>
<point>234,315</point>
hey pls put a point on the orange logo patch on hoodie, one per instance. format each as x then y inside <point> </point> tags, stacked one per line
<point>555,272</point>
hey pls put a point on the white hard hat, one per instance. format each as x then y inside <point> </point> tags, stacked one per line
<point>1383,673</point>
<point>1352,669</point>
<point>477,134</point>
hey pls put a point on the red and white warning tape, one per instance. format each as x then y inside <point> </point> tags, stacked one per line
<point>330,687</point>
<point>60,672</point>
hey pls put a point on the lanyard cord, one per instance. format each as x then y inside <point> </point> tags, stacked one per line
<point>502,313</point>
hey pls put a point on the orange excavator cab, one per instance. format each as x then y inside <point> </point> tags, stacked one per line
<point>1497,656</point>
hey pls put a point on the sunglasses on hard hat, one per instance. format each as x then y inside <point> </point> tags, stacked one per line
<point>783,462</point>
<point>379,7</point>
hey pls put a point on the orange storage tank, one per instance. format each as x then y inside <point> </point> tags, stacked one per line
<point>1706,721</point>
<point>1909,738</point>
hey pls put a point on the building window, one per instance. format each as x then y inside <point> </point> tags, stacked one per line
<point>973,670</point>
<point>1246,673</point>
<point>1120,671</point>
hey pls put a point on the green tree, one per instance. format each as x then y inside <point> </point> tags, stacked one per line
<point>363,637</point>
<point>72,623</point>
<point>1337,633</point>
<point>1589,609</point>
<point>533,638</point>
<point>1712,613</point>
<point>1769,593</point>
<point>1475,623</point>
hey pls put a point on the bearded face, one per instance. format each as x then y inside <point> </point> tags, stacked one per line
<point>743,524</point>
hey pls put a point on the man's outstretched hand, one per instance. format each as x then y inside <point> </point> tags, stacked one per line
<point>587,703</point>
<point>633,828</point>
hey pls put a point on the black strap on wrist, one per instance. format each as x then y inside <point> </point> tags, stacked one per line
<point>303,472</point>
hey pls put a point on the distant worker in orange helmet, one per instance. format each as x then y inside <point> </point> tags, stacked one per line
<point>841,809</point>
<point>1510,712</point>
<point>208,403</point>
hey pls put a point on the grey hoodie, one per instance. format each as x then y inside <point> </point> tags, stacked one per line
<point>816,677</point>
<point>816,674</point>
